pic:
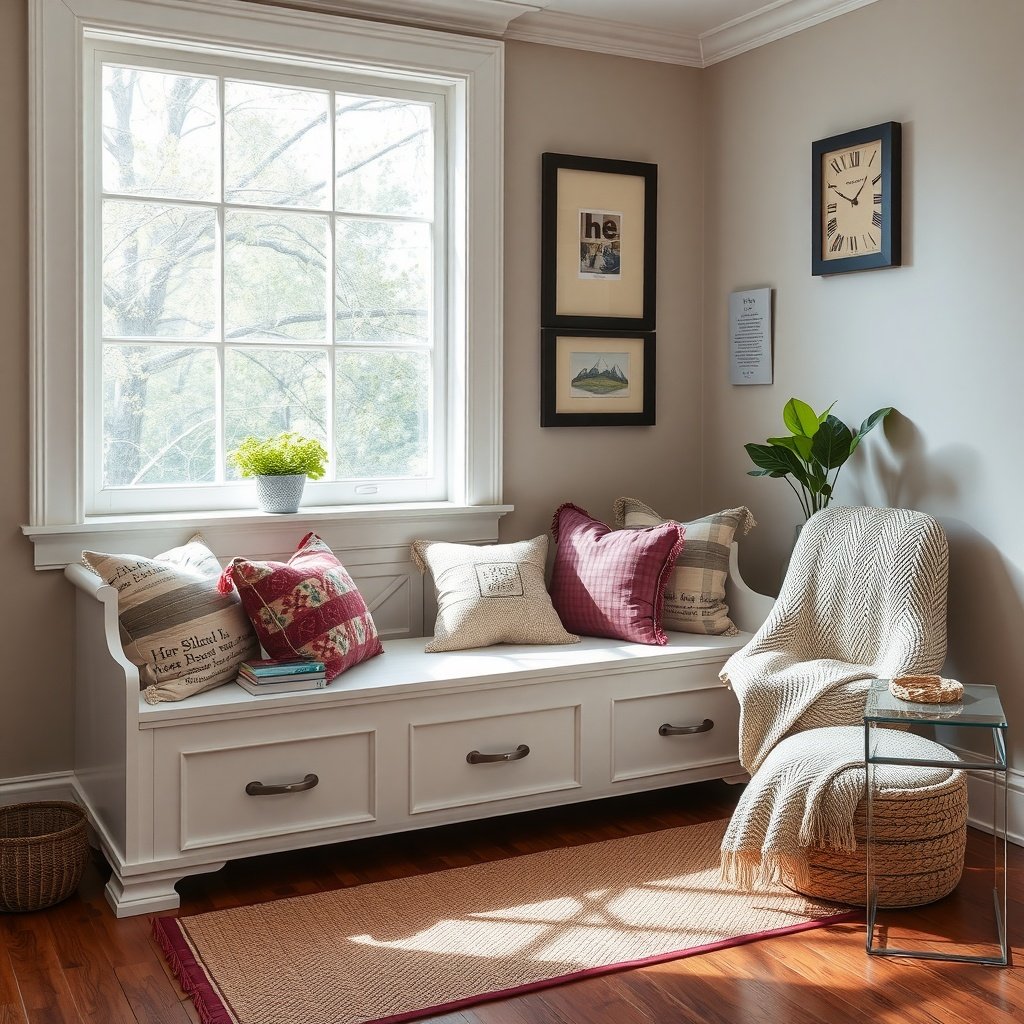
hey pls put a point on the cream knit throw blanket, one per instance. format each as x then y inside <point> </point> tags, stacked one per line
<point>805,794</point>
<point>864,598</point>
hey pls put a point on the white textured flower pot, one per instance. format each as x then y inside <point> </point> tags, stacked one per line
<point>280,493</point>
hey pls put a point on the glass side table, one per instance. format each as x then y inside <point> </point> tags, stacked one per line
<point>980,709</point>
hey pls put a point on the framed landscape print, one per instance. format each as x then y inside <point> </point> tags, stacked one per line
<point>598,243</point>
<point>596,380</point>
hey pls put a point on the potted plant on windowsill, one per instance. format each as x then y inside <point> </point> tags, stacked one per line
<point>818,443</point>
<point>280,465</point>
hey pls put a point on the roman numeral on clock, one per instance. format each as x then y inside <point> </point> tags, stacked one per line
<point>876,219</point>
<point>837,244</point>
<point>878,198</point>
<point>836,166</point>
<point>831,208</point>
<point>872,160</point>
<point>876,179</point>
<point>855,158</point>
<point>853,244</point>
<point>830,228</point>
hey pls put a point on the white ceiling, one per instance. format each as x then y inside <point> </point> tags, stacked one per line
<point>692,32</point>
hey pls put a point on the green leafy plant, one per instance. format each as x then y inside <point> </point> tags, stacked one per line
<point>286,454</point>
<point>818,443</point>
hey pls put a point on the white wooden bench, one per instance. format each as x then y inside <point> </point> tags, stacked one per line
<point>179,789</point>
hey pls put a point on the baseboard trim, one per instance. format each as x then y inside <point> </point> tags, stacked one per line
<point>981,791</point>
<point>48,786</point>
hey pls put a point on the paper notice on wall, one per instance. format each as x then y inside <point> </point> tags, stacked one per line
<point>750,337</point>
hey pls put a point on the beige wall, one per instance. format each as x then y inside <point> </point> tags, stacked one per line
<point>568,101</point>
<point>941,338</point>
<point>35,608</point>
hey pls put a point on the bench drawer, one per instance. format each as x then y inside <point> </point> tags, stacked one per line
<point>332,782</point>
<point>641,747</point>
<point>442,776</point>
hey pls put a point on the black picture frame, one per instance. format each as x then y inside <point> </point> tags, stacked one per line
<point>621,298</point>
<point>889,134</point>
<point>562,355</point>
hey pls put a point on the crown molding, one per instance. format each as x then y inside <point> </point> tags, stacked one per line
<point>486,17</point>
<point>602,36</point>
<point>774,21</point>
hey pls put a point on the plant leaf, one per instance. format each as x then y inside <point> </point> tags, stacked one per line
<point>798,443</point>
<point>868,425</point>
<point>800,418</point>
<point>776,460</point>
<point>832,443</point>
<point>824,415</point>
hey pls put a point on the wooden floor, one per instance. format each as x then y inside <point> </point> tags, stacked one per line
<point>76,962</point>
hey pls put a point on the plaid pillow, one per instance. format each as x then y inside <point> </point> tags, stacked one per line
<point>611,583</point>
<point>695,595</point>
<point>307,607</point>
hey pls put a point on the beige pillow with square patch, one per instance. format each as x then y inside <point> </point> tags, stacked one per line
<point>695,593</point>
<point>490,595</point>
<point>182,633</point>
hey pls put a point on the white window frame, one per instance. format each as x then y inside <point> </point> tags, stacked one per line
<point>471,69</point>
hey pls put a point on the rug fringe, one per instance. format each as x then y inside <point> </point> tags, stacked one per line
<point>185,968</point>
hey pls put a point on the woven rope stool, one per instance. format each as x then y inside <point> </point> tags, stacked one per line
<point>919,839</point>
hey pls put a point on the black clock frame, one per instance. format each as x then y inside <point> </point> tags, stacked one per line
<point>889,135</point>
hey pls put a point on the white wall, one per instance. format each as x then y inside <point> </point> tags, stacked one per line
<point>941,339</point>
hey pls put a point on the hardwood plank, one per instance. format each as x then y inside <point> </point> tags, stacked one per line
<point>12,1009</point>
<point>152,999</point>
<point>45,994</point>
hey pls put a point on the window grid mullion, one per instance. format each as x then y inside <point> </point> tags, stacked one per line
<point>332,296</point>
<point>220,413</point>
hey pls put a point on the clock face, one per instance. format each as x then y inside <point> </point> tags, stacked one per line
<point>851,197</point>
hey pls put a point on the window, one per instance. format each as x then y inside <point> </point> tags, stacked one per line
<point>269,255</point>
<point>288,221</point>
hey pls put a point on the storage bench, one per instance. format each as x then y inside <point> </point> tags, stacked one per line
<point>406,740</point>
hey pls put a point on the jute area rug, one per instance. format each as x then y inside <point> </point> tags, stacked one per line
<point>411,947</point>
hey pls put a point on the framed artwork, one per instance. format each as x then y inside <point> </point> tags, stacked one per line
<point>598,243</point>
<point>590,379</point>
<point>856,209</point>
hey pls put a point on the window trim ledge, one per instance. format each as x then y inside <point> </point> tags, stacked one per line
<point>359,534</point>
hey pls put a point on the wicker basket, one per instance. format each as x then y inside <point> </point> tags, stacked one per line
<point>43,851</point>
<point>918,846</point>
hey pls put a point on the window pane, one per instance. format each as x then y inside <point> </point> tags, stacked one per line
<point>275,275</point>
<point>277,146</point>
<point>159,270</point>
<point>382,414</point>
<point>384,156</point>
<point>382,281</point>
<point>161,134</point>
<point>267,391</point>
<point>158,415</point>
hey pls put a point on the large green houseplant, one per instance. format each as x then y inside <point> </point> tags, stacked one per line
<point>280,465</point>
<point>818,444</point>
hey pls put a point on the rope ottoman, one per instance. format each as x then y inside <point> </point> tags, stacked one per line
<point>919,838</point>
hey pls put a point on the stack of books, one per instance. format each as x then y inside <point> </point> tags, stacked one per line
<point>281,675</point>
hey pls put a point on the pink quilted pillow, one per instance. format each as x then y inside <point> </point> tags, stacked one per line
<point>612,582</point>
<point>307,607</point>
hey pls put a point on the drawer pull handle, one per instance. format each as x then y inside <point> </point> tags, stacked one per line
<point>475,757</point>
<point>258,789</point>
<point>686,730</point>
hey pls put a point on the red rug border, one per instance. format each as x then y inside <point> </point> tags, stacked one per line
<point>196,980</point>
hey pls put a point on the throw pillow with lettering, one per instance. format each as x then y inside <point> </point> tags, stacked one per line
<point>184,635</point>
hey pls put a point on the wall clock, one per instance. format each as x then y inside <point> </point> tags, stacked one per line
<point>855,200</point>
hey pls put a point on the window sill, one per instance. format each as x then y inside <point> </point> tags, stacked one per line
<point>349,528</point>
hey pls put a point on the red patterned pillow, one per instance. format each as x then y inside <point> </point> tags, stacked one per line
<point>307,607</point>
<point>612,582</point>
